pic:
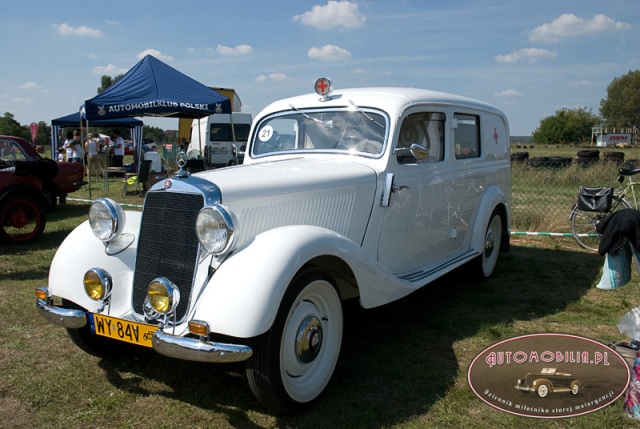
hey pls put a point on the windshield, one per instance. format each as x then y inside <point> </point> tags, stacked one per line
<point>355,132</point>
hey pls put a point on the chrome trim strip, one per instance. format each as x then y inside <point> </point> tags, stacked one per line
<point>67,317</point>
<point>199,350</point>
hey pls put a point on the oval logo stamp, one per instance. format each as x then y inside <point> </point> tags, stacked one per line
<point>548,375</point>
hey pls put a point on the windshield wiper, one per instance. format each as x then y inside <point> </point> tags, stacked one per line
<point>306,115</point>
<point>366,115</point>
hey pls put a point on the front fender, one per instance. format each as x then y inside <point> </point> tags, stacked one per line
<point>243,296</point>
<point>81,251</point>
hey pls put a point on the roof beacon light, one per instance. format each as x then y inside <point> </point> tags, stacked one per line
<point>324,88</point>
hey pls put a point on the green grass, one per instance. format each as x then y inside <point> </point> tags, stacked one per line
<point>401,366</point>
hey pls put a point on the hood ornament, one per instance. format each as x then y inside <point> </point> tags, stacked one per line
<point>181,160</point>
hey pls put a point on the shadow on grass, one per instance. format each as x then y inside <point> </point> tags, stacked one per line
<point>397,360</point>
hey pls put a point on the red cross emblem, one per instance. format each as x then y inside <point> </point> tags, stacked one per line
<point>495,135</point>
<point>323,86</point>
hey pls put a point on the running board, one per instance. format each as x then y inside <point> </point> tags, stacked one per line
<point>416,276</point>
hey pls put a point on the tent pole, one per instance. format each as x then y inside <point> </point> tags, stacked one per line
<point>84,167</point>
<point>199,140</point>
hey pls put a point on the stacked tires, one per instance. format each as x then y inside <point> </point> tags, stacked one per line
<point>587,158</point>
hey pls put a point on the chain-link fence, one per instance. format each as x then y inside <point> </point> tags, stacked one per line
<point>545,188</point>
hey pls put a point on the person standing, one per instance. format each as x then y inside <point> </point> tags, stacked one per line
<point>68,147</point>
<point>76,145</point>
<point>91,147</point>
<point>118,148</point>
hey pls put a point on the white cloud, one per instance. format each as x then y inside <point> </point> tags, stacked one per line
<point>159,55</point>
<point>334,14</point>
<point>569,25</point>
<point>191,50</point>
<point>530,55</point>
<point>112,22</point>
<point>329,53</point>
<point>29,85</point>
<point>109,70</point>
<point>238,50</point>
<point>580,83</point>
<point>67,30</point>
<point>22,100</point>
<point>508,93</point>
<point>276,77</point>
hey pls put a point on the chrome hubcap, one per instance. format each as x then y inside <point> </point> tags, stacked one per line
<point>309,339</point>
<point>489,244</point>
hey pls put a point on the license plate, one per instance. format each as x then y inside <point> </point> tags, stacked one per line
<point>123,330</point>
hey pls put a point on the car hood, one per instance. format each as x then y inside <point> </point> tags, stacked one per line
<point>337,195</point>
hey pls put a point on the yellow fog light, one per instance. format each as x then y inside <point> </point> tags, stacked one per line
<point>42,293</point>
<point>97,284</point>
<point>198,327</point>
<point>163,296</point>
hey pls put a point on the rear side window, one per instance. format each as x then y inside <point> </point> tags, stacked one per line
<point>467,136</point>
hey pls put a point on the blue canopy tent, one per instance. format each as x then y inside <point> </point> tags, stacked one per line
<point>73,121</point>
<point>153,88</point>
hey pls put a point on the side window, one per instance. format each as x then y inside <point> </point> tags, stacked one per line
<point>467,136</point>
<point>424,129</point>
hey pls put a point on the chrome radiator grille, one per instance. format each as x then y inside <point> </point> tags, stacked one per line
<point>168,245</point>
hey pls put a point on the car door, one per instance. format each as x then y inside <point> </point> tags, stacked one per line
<point>415,230</point>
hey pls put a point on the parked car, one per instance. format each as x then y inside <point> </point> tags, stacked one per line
<point>29,185</point>
<point>67,178</point>
<point>364,194</point>
<point>549,380</point>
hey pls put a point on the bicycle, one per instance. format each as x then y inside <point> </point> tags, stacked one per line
<point>583,222</point>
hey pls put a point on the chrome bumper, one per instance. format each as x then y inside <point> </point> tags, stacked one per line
<point>67,317</point>
<point>199,350</point>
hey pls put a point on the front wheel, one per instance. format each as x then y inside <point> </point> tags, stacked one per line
<point>22,219</point>
<point>294,361</point>
<point>583,223</point>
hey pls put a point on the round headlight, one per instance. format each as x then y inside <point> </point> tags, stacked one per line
<point>106,218</point>
<point>163,295</point>
<point>215,229</point>
<point>97,284</point>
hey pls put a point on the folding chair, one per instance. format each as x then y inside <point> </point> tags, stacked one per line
<point>142,177</point>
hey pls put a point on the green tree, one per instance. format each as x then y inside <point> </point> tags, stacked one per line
<point>621,107</point>
<point>106,81</point>
<point>9,126</point>
<point>154,133</point>
<point>567,126</point>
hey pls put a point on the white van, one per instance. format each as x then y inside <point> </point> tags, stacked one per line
<point>213,138</point>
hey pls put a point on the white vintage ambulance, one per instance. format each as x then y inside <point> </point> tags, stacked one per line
<point>366,193</point>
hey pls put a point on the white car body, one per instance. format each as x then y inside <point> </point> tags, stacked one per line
<point>377,219</point>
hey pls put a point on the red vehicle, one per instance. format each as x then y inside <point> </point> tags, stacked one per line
<point>29,187</point>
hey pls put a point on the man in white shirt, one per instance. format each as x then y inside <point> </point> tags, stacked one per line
<point>118,148</point>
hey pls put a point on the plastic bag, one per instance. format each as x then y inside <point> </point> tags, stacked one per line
<point>629,324</point>
<point>617,269</point>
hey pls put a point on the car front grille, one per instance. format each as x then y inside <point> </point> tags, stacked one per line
<point>168,245</point>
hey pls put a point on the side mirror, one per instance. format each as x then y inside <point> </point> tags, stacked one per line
<point>420,152</point>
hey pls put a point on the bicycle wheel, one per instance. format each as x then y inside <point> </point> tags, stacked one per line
<point>583,224</point>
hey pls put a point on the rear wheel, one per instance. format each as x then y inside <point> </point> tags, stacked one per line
<point>294,361</point>
<point>22,219</point>
<point>486,262</point>
<point>583,223</point>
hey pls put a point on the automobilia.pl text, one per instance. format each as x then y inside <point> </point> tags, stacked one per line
<point>518,357</point>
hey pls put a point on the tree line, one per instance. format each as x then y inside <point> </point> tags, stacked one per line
<point>619,109</point>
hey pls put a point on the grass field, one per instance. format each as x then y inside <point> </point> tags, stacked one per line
<point>401,366</point>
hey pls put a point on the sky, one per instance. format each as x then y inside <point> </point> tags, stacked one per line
<point>529,58</point>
